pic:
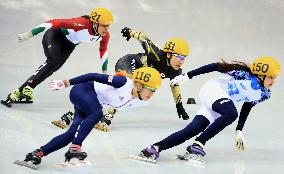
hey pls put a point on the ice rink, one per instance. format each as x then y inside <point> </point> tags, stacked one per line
<point>230,29</point>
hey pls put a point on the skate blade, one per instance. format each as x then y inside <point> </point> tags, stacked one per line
<point>6,103</point>
<point>195,160</point>
<point>9,103</point>
<point>140,158</point>
<point>26,164</point>
<point>73,164</point>
<point>58,124</point>
<point>23,102</point>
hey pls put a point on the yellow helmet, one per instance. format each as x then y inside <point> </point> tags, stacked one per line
<point>102,16</point>
<point>177,46</point>
<point>148,76</point>
<point>268,66</point>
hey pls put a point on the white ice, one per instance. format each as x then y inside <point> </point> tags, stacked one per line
<point>229,29</point>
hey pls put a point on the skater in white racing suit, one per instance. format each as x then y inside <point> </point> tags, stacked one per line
<point>89,95</point>
<point>240,83</point>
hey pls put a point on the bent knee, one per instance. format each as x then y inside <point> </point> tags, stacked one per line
<point>226,108</point>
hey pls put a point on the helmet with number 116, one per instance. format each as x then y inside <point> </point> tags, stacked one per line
<point>102,16</point>
<point>176,46</point>
<point>148,77</point>
<point>268,66</point>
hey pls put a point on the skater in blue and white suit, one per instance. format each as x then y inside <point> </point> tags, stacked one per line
<point>90,94</point>
<point>240,83</point>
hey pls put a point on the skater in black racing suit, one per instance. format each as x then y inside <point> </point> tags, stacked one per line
<point>167,61</point>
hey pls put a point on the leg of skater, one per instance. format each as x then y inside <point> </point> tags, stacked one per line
<point>57,50</point>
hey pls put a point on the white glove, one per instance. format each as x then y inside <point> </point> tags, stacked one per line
<point>179,79</point>
<point>24,36</point>
<point>240,140</point>
<point>57,84</point>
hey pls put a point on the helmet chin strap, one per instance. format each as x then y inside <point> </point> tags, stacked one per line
<point>96,28</point>
<point>261,80</point>
<point>168,59</point>
<point>138,93</point>
<point>139,96</point>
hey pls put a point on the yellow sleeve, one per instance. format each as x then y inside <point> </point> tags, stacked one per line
<point>138,35</point>
<point>176,93</point>
<point>147,44</point>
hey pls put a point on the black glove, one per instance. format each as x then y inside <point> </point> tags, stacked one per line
<point>181,112</point>
<point>126,33</point>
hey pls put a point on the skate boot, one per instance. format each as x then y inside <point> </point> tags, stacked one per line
<point>32,160</point>
<point>75,152</point>
<point>149,154</point>
<point>104,124</point>
<point>196,148</point>
<point>14,95</point>
<point>27,93</point>
<point>194,153</point>
<point>35,156</point>
<point>64,121</point>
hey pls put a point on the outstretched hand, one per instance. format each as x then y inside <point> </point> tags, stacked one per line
<point>240,141</point>
<point>179,79</point>
<point>24,36</point>
<point>126,33</point>
<point>57,84</point>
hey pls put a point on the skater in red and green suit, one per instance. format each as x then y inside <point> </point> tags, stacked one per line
<point>61,36</point>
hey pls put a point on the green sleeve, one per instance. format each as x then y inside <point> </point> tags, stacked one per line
<point>37,30</point>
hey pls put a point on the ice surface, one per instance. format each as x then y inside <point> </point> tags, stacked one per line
<point>215,29</point>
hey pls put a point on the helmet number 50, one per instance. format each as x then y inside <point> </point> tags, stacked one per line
<point>260,67</point>
<point>143,76</point>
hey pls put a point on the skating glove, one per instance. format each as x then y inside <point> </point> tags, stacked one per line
<point>126,33</point>
<point>181,112</point>
<point>179,79</point>
<point>24,36</point>
<point>58,84</point>
<point>240,141</point>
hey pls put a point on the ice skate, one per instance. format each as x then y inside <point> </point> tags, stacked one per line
<point>64,121</point>
<point>75,153</point>
<point>70,154</point>
<point>150,154</point>
<point>32,160</point>
<point>12,97</point>
<point>104,124</point>
<point>194,154</point>
<point>27,93</point>
<point>15,97</point>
